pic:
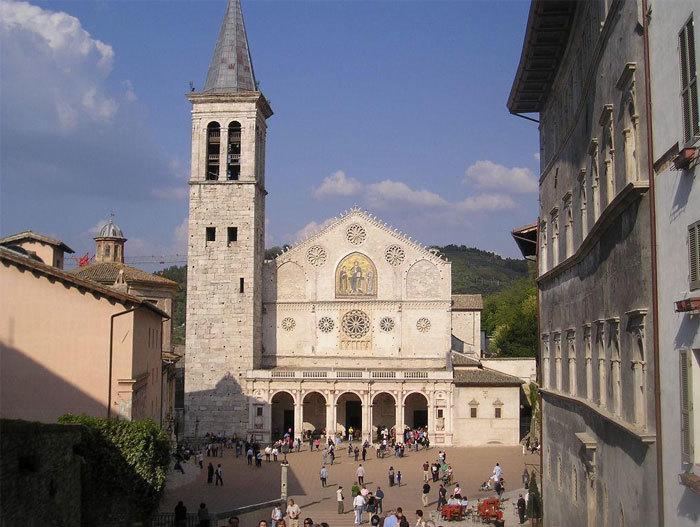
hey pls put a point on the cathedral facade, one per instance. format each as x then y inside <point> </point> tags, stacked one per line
<point>354,327</point>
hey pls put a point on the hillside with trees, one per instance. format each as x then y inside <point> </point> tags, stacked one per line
<point>509,296</point>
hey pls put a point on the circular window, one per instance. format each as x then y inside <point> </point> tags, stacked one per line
<point>326,324</point>
<point>386,324</point>
<point>316,255</point>
<point>356,234</point>
<point>423,325</point>
<point>355,324</point>
<point>394,255</point>
<point>288,323</point>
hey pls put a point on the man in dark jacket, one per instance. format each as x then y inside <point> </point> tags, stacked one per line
<point>180,514</point>
<point>521,509</point>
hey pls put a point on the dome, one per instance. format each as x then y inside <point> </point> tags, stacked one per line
<point>110,230</point>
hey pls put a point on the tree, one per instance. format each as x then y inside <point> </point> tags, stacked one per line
<point>510,318</point>
<point>534,501</point>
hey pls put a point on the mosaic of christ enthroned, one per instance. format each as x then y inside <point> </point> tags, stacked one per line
<point>355,277</point>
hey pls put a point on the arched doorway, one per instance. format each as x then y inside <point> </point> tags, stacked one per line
<point>314,416</point>
<point>282,414</point>
<point>383,413</point>
<point>349,413</point>
<point>416,411</point>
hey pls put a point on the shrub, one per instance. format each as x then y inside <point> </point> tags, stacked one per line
<point>534,502</point>
<point>125,467</point>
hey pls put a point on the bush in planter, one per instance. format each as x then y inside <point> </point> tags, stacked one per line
<point>124,471</point>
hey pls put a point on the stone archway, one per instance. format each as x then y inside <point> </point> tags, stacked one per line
<point>416,410</point>
<point>349,414</point>
<point>282,414</point>
<point>314,413</point>
<point>383,413</point>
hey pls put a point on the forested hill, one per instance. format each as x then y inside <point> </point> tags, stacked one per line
<point>476,271</point>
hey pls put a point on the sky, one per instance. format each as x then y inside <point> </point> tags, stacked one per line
<point>393,106</point>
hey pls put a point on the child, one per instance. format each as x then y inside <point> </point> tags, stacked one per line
<point>398,478</point>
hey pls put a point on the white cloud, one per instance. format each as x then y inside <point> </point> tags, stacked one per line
<point>536,156</point>
<point>490,175</point>
<point>180,237</point>
<point>389,193</point>
<point>311,228</point>
<point>338,184</point>
<point>100,107</point>
<point>129,93</point>
<point>486,202</point>
<point>169,193</point>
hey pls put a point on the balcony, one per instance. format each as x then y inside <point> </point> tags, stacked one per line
<point>360,375</point>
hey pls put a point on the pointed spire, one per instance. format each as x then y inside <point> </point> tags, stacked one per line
<point>231,68</point>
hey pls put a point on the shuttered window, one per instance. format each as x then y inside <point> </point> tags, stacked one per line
<point>689,86</point>
<point>694,255</point>
<point>686,388</point>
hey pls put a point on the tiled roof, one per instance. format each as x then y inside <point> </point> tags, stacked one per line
<point>484,377</point>
<point>467,302</point>
<point>13,258</point>
<point>459,359</point>
<point>30,235</point>
<point>107,272</point>
<point>231,68</point>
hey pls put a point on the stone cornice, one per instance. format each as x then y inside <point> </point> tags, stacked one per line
<point>344,304</point>
<point>246,97</point>
<point>627,195</point>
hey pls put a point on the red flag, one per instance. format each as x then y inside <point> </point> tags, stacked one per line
<point>84,260</point>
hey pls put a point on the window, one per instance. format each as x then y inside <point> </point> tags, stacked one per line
<point>107,250</point>
<point>213,147</point>
<point>497,412</point>
<point>241,285</point>
<point>689,86</point>
<point>472,412</point>
<point>211,234</point>
<point>232,234</point>
<point>543,247</point>
<point>259,411</point>
<point>440,413</point>
<point>687,364</point>
<point>233,156</point>
<point>694,255</point>
<point>555,236</point>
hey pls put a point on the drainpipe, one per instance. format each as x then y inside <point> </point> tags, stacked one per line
<point>654,275</point>
<point>111,351</point>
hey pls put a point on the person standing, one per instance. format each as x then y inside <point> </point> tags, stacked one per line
<point>210,473</point>
<point>181,514</point>
<point>360,473</point>
<point>426,471</point>
<point>276,514</point>
<point>331,454</point>
<point>200,460</point>
<point>442,496</point>
<point>203,516</point>
<point>497,473</point>
<point>249,455</point>
<point>293,512</point>
<point>357,453</point>
<point>340,498</point>
<point>521,509</point>
<point>358,504</point>
<point>380,499</point>
<point>391,476</point>
<point>398,478</point>
<point>324,475</point>
<point>219,472</point>
<point>364,453</point>
<point>425,494</point>
<point>420,522</point>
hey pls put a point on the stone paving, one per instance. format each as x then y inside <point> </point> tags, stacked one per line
<point>245,485</point>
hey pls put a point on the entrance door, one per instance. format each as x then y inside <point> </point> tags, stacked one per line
<point>288,421</point>
<point>353,415</point>
<point>420,418</point>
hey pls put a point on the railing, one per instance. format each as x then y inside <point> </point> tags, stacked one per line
<point>314,374</point>
<point>383,375</point>
<point>283,374</point>
<point>213,157</point>
<point>415,374</point>
<point>348,375</point>
<point>167,519</point>
<point>351,374</point>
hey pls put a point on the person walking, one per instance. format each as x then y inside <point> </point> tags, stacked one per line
<point>424,495</point>
<point>364,453</point>
<point>210,474</point>
<point>398,478</point>
<point>497,473</point>
<point>426,471</point>
<point>360,473</point>
<point>203,516</point>
<point>293,512</point>
<point>442,496</point>
<point>391,476</point>
<point>522,506</point>
<point>219,472</point>
<point>200,460</point>
<point>249,455</point>
<point>331,454</point>
<point>340,498</point>
<point>181,514</point>
<point>379,495</point>
<point>276,514</point>
<point>359,505</point>
<point>324,475</point>
<point>357,453</point>
<point>420,522</point>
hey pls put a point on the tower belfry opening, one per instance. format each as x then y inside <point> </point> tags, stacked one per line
<point>233,162</point>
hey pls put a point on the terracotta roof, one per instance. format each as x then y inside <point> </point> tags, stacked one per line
<point>107,272</point>
<point>484,377</point>
<point>31,235</point>
<point>460,359</point>
<point>467,302</point>
<point>9,257</point>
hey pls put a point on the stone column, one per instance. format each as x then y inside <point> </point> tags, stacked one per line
<point>432,414</point>
<point>298,415</point>
<point>223,152</point>
<point>330,428</point>
<point>365,416</point>
<point>399,416</point>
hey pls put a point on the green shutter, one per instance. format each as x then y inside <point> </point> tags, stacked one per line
<point>694,255</point>
<point>686,390</point>
<point>689,87</point>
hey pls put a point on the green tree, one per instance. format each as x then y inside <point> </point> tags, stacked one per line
<point>178,274</point>
<point>510,319</point>
<point>534,501</point>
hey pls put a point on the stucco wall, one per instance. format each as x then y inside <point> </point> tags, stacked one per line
<point>466,326</point>
<point>525,368</point>
<point>485,429</point>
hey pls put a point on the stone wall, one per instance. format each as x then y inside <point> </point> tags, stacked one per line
<point>39,474</point>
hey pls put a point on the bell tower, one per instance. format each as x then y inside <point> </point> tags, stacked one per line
<point>226,235</point>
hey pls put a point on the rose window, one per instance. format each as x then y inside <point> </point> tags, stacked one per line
<point>423,325</point>
<point>356,234</point>
<point>288,323</point>
<point>326,324</point>
<point>387,324</point>
<point>394,255</point>
<point>355,324</point>
<point>316,255</point>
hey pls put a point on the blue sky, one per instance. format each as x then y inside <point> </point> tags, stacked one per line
<point>398,107</point>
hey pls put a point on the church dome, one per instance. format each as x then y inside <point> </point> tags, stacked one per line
<point>110,230</point>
